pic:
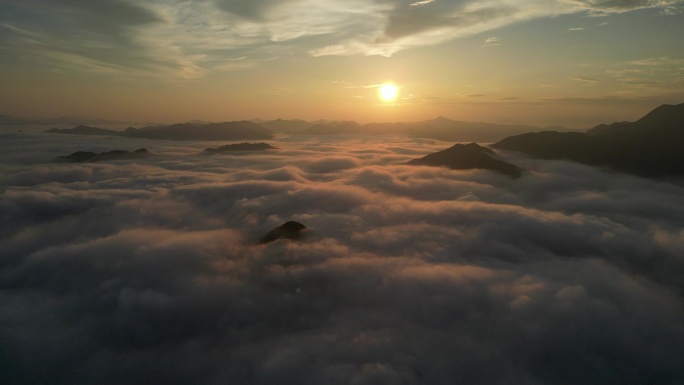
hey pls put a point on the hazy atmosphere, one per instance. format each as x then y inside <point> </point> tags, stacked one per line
<point>362,192</point>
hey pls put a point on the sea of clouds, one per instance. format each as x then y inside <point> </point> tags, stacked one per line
<point>150,271</point>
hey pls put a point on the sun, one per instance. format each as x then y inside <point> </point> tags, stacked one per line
<point>388,92</point>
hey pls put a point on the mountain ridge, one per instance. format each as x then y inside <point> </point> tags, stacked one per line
<point>440,128</point>
<point>237,130</point>
<point>649,147</point>
<point>89,157</point>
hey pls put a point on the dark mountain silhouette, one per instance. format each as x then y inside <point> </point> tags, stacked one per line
<point>288,230</point>
<point>86,156</point>
<point>286,126</point>
<point>183,131</point>
<point>557,127</point>
<point>334,128</point>
<point>84,130</point>
<point>241,147</point>
<point>664,123</point>
<point>212,131</point>
<point>575,146</point>
<point>466,157</point>
<point>440,129</point>
<point>76,157</point>
<point>460,131</point>
<point>665,117</point>
<point>650,147</point>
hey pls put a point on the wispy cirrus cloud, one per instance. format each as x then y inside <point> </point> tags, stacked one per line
<point>491,42</point>
<point>585,79</point>
<point>175,38</point>
<point>422,2</point>
<point>656,73</point>
<point>605,7</point>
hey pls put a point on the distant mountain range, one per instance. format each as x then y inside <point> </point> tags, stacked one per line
<point>653,146</point>
<point>285,126</point>
<point>84,130</point>
<point>87,156</point>
<point>183,131</point>
<point>439,129</point>
<point>212,131</point>
<point>241,147</point>
<point>335,128</point>
<point>455,130</point>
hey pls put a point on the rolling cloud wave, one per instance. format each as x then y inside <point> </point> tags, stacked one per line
<point>150,271</point>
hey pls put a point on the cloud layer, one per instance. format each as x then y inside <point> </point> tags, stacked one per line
<point>181,39</point>
<point>149,272</point>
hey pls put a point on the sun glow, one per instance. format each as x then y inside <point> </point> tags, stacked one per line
<point>388,92</point>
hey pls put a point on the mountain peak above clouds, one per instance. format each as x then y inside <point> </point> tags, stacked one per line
<point>87,156</point>
<point>236,147</point>
<point>650,147</point>
<point>288,230</point>
<point>466,157</point>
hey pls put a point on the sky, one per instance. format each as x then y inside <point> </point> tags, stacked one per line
<point>572,62</point>
<point>150,271</point>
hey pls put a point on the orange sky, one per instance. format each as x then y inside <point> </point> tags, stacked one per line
<point>576,63</point>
